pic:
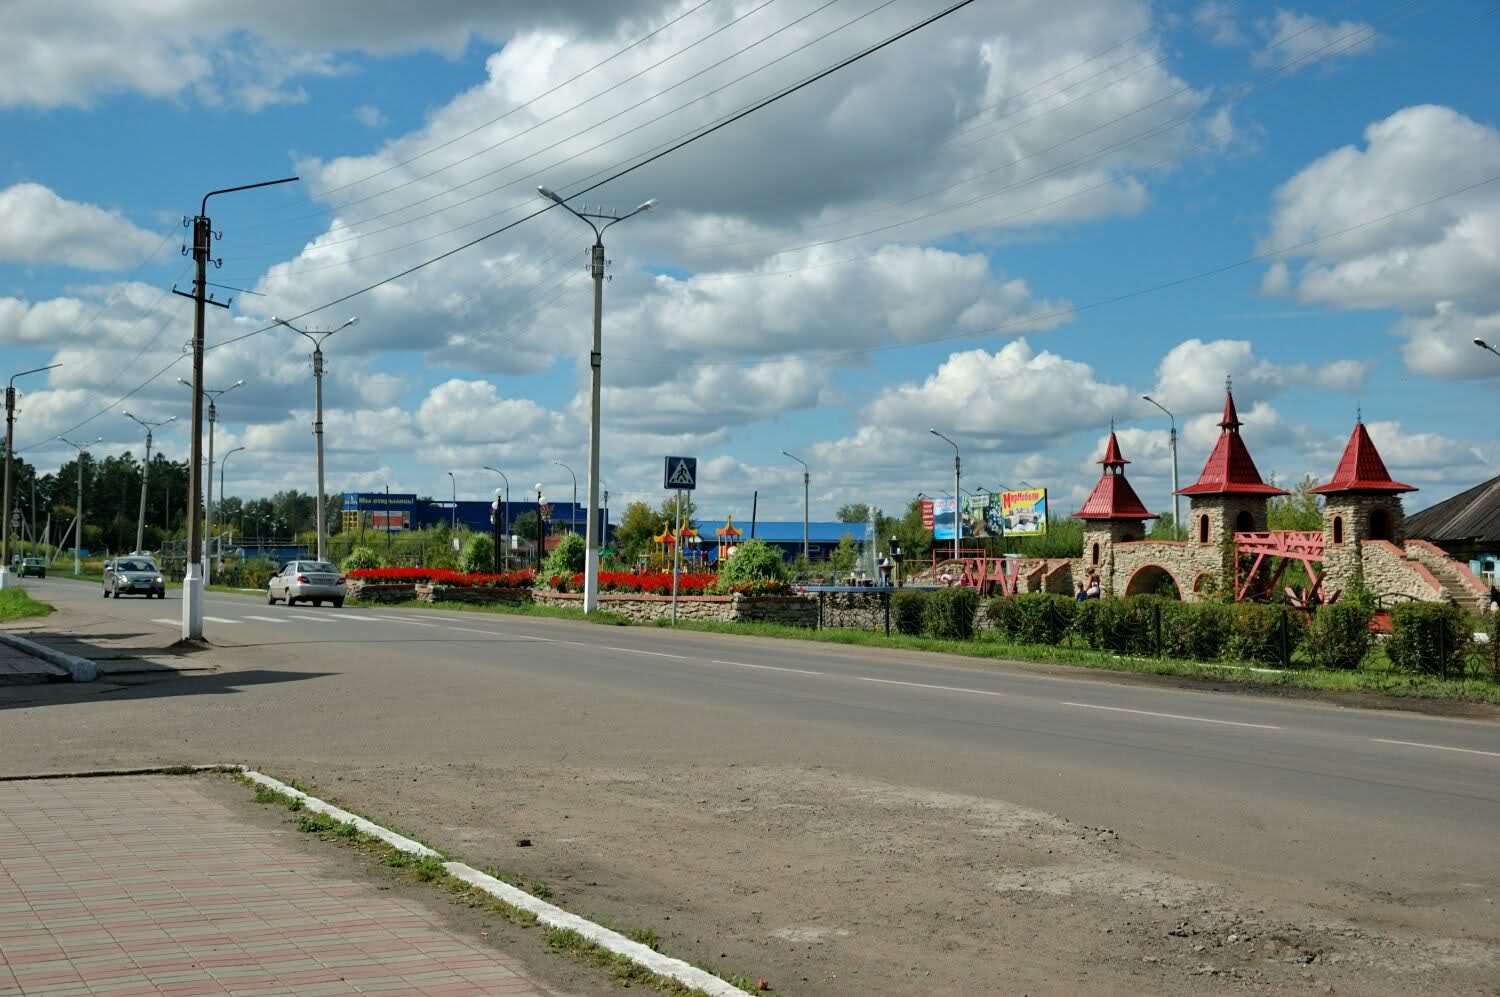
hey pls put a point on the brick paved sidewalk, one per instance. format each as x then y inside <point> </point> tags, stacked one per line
<point>147,885</point>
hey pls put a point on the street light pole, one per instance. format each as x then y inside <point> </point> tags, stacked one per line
<point>596,270</point>
<point>223,464</point>
<point>541,537</point>
<point>203,236</point>
<point>805,489</point>
<point>957,491</point>
<point>453,520</point>
<point>10,446</point>
<point>316,337</point>
<point>78,527</point>
<point>573,516</point>
<point>1176,499</point>
<point>504,515</point>
<point>1486,346</point>
<point>140,524</point>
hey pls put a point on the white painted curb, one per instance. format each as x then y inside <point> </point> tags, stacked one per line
<point>345,817</point>
<point>78,669</point>
<point>556,917</point>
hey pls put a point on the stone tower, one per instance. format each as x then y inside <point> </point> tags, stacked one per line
<point>1360,503</point>
<point>1113,514</point>
<point>1229,497</point>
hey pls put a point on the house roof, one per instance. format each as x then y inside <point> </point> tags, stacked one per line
<point>1230,470</point>
<point>791,530</point>
<point>1113,498</point>
<point>1361,469</point>
<point>1470,515</point>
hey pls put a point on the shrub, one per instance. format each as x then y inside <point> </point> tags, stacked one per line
<point>908,611</point>
<point>567,558</point>
<point>1255,632</point>
<point>256,574</point>
<point>360,557</point>
<point>949,613</point>
<point>1427,637</point>
<point>478,554</point>
<point>1032,617</point>
<point>1338,636</point>
<point>753,561</point>
<point>1124,626</point>
<point>1194,631</point>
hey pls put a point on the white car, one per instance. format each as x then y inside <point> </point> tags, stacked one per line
<point>316,582</point>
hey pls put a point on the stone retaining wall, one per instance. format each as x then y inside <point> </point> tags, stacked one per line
<point>387,592</point>
<point>794,610</point>
<point>1387,572</point>
<point>472,595</point>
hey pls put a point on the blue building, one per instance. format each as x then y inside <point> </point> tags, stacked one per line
<point>398,512</point>
<point>822,538</point>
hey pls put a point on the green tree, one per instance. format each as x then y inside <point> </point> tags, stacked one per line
<point>689,510</point>
<point>478,554</point>
<point>914,539</point>
<point>854,512</point>
<point>1301,510</point>
<point>524,525</point>
<point>845,555</point>
<point>637,526</point>
<point>1165,528</point>
<point>753,561</point>
<point>567,558</point>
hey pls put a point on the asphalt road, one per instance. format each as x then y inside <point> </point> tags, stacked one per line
<point>1303,798</point>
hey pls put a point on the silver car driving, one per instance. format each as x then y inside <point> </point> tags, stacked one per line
<point>316,582</point>
<point>133,576</point>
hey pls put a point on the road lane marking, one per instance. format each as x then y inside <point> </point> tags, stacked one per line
<point>469,630</point>
<point>170,623</point>
<point>1173,716</point>
<point>924,685</point>
<point>414,623</point>
<point>631,650</point>
<point>769,668</point>
<point>266,619</point>
<point>1437,747</point>
<point>219,619</point>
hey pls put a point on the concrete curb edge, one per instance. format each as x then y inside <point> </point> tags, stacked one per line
<point>556,917</point>
<point>78,669</point>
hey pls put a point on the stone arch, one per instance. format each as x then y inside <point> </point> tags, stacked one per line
<point>1203,528</point>
<point>1095,552</point>
<point>1380,524</point>
<point>1338,529</point>
<point>1244,522</point>
<point>1146,579</point>
<point>1205,581</point>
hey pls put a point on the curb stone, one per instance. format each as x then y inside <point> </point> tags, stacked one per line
<point>78,669</point>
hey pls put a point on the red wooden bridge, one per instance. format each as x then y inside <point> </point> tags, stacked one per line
<point>1285,546</point>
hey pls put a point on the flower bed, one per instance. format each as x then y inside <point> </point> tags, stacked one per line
<point>444,576</point>
<point>473,595</point>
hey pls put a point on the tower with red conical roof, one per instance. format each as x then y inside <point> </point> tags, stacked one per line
<point>1113,514</point>
<point>1361,502</point>
<point>1229,497</point>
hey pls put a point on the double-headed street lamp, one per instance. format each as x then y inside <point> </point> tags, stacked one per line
<point>78,525</point>
<point>10,435</point>
<point>1176,499</point>
<point>503,516</point>
<point>140,523</point>
<point>957,491</point>
<point>213,395</point>
<point>596,269</point>
<point>316,337</point>
<point>805,480</point>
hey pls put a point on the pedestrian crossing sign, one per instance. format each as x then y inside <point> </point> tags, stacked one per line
<point>681,473</point>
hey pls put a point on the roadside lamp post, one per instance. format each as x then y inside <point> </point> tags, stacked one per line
<point>388,521</point>
<point>541,537</point>
<point>316,337</point>
<point>454,519</point>
<point>596,270</point>
<point>140,525</point>
<point>78,527</point>
<point>223,464</point>
<point>10,434</point>
<point>1176,499</point>
<point>805,479</point>
<point>504,520</point>
<point>957,492</point>
<point>1486,346</point>
<point>212,394</point>
<point>573,516</point>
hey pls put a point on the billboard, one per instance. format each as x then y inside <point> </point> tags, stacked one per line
<point>982,516</point>
<point>944,511</point>
<point>1024,512</point>
<point>927,515</point>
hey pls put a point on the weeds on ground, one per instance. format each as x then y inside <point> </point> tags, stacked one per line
<point>17,604</point>
<point>429,869</point>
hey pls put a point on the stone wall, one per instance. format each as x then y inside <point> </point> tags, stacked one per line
<point>793,610</point>
<point>472,595</point>
<point>386,592</point>
<point>1388,573</point>
<point>1437,559</point>
<point>856,610</point>
<point>1185,562</point>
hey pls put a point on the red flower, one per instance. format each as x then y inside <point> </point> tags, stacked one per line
<point>446,576</point>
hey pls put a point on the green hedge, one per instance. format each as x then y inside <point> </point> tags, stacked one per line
<point>360,558</point>
<point>1429,637</point>
<point>1255,633</point>
<point>1032,617</point>
<point>1339,636</point>
<point>949,613</point>
<point>1196,631</point>
<point>908,611</point>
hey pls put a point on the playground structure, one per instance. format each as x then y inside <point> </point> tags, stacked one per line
<point>1229,541</point>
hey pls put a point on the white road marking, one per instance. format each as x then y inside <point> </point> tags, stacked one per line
<point>470,630</point>
<point>1437,747</point>
<point>1173,716</point>
<point>924,685</point>
<point>170,623</point>
<point>219,619</point>
<point>769,668</point>
<point>414,623</point>
<point>266,619</point>
<point>631,650</point>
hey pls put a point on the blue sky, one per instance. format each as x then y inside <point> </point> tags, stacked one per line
<point>1082,151</point>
